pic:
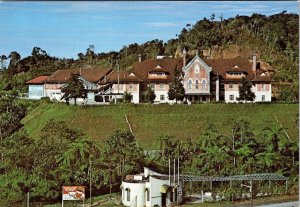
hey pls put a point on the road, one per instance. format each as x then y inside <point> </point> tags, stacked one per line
<point>287,204</point>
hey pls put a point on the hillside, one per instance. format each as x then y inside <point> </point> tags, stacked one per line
<point>273,38</point>
<point>148,122</point>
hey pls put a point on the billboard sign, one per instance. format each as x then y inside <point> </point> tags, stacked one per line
<point>71,193</point>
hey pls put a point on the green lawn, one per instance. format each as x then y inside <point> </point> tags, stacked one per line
<point>150,121</point>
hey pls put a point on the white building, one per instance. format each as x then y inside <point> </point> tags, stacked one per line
<point>151,189</point>
<point>36,87</point>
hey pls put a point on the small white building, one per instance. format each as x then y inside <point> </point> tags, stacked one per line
<point>36,87</point>
<point>151,189</point>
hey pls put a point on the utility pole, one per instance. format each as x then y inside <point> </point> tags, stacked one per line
<point>125,57</point>
<point>90,180</point>
<point>178,179</point>
<point>169,172</point>
<point>174,180</point>
<point>118,68</point>
<point>233,147</point>
<point>28,198</point>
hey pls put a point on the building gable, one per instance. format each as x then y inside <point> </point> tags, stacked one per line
<point>197,77</point>
<point>198,62</point>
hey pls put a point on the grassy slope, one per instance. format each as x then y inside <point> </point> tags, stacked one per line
<point>150,121</point>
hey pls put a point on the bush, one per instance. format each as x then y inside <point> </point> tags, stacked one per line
<point>45,100</point>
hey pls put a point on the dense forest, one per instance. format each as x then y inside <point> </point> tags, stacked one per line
<point>64,155</point>
<point>275,37</point>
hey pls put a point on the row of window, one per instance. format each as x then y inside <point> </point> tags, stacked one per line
<point>231,98</point>
<point>203,84</point>
<point>161,86</point>
<point>263,86</point>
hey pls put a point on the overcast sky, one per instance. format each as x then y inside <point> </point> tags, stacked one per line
<point>64,29</point>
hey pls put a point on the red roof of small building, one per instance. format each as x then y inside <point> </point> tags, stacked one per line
<point>38,80</point>
<point>142,69</point>
<point>90,74</point>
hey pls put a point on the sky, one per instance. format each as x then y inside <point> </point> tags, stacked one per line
<point>64,29</point>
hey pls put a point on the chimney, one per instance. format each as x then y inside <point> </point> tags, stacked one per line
<point>254,63</point>
<point>140,58</point>
<point>184,57</point>
<point>217,88</point>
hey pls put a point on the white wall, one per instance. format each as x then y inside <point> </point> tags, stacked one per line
<point>137,194</point>
<point>267,94</point>
<point>258,94</point>
<point>35,91</point>
<point>126,87</point>
<point>227,95</point>
<point>54,94</point>
<point>155,194</point>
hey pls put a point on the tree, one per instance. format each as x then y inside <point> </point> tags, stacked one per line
<point>150,95</point>
<point>245,92</point>
<point>74,88</point>
<point>127,97</point>
<point>38,53</point>
<point>3,59</point>
<point>80,56</point>
<point>212,17</point>
<point>176,89</point>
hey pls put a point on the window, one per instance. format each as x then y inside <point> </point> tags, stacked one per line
<point>190,84</point>
<point>128,194</point>
<point>162,97</point>
<point>231,97</point>
<point>147,194</point>
<point>161,86</point>
<point>230,86</point>
<point>197,69</point>
<point>130,86</point>
<point>197,84</point>
<point>263,98</point>
<point>203,84</point>
<point>263,86</point>
<point>152,86</point>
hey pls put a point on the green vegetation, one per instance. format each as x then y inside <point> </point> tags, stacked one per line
<point>150,121</point>
<point>150,95</point>
<point>74,89</point>
<point>127,97</point>
<point>245,93</point>
<point>176,90</point>
<point>55,148</point>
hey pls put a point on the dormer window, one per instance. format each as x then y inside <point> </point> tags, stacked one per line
<point>236,73</point>
<point>157,73</point>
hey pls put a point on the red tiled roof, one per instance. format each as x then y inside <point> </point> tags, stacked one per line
<point>124,76</point>
<point>91,74</point>
<point>222,66</point>
<point>143,68</point>
<point>38,80</point>
<point>262,78</point>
